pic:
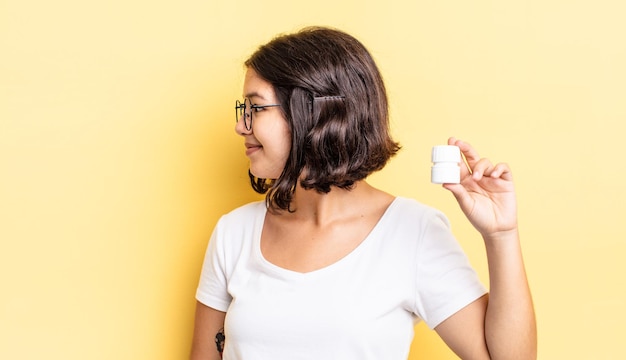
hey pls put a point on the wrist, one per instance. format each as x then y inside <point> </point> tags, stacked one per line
<point>502,236</point>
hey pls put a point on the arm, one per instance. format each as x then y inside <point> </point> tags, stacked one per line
<point>208,323</point>
<point>502,324</point>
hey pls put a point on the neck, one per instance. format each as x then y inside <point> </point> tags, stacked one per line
<point>322,209</point>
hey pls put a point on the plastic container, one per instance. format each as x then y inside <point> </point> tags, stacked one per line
<point>446,167</point>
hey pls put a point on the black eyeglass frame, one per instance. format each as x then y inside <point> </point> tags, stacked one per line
<point>241,110</point>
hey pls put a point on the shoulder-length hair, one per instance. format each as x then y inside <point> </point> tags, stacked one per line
<point>334,99</point>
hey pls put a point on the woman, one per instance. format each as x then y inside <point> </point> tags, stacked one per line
<point>329,267</point>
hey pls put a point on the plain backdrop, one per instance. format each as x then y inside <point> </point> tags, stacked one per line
<point>118,155</point>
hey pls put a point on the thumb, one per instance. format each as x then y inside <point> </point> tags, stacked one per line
<point>461,195</point>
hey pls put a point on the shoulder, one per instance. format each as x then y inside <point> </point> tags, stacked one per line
<point>411,222</point>
<point>411,211</point>
<point>238,227</point>
<point>243,214</point>
<point>240,223</point>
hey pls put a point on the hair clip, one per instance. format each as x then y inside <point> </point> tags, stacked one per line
<point>330,97</point>
<point>333,97</point>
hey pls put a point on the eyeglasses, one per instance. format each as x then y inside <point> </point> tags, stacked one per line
<point>245,109</point>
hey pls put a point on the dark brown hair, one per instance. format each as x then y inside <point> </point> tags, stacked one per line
<point>334,99</point>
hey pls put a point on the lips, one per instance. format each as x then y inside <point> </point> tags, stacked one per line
<point>252,148</point>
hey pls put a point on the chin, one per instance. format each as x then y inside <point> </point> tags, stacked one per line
<point>260,174</point>
<point>265,171</point>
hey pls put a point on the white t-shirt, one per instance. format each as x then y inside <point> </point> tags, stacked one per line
<point>362,307</point>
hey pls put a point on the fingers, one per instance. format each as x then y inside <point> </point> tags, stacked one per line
<point>471,156</point>
<point>501,170</point>
<point>484,168</point>
<point>480,167</point>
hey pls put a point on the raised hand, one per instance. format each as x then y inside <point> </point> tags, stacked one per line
<point>486,193</point>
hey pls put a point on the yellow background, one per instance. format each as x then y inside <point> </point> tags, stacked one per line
<point>118,155</point>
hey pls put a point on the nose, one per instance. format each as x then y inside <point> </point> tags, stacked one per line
<point>240,127</point>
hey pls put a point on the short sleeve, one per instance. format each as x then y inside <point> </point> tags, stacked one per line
<point>212,289</point>
<point>446,282</point>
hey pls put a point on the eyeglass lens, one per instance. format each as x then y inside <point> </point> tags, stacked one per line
<point>244,109</point>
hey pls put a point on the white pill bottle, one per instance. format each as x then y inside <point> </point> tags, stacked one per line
<point>446,167</point>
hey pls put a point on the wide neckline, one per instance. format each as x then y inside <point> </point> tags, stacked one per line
<point>281,271</point>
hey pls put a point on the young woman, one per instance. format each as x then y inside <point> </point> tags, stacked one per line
<point>329,267</point>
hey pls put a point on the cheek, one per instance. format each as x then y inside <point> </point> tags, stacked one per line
<point>286,145</point>
<point>278,138</point>
<point>281,152</point>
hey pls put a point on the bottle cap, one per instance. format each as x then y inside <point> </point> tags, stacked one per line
<point>446,153</point>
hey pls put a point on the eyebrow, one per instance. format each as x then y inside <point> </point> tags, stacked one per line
<point>254,94</point>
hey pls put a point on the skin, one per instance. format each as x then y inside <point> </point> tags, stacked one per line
<point>500,325</point>
<point>268,143</point>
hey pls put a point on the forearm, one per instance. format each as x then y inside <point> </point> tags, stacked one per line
<point>510,328</point>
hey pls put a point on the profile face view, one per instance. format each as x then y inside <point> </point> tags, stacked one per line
<point>268,139</point>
